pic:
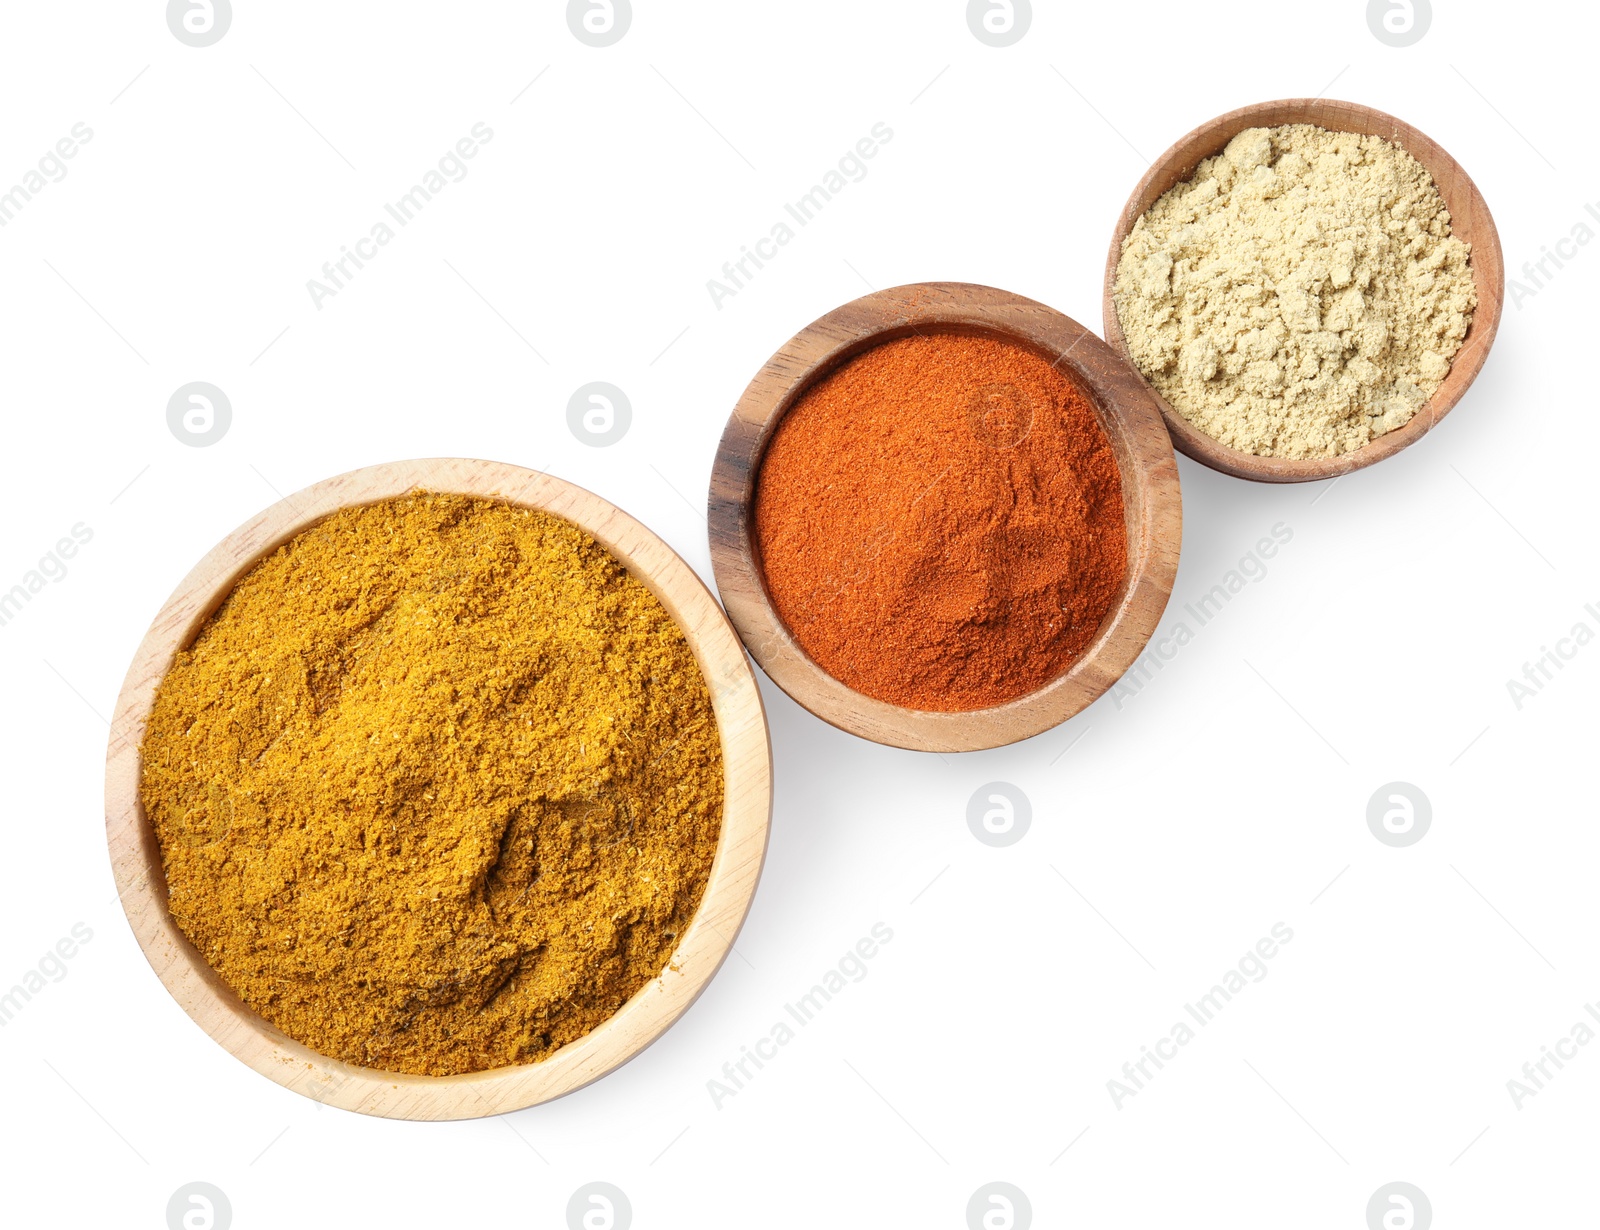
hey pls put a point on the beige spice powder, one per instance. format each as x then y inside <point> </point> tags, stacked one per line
<point>1300,295</point>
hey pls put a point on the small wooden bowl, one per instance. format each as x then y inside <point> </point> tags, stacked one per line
<point>1132,421</point>
<point>1470,222</point>
<point>747,805</point>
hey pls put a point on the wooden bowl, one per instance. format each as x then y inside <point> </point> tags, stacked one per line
<point>1470,222</point>
<point>1132,420</point>
<point>136,857</point>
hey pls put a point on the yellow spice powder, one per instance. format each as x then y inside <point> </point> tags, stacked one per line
<point>437,787</point>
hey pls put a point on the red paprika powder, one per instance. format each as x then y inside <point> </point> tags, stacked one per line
<point>940,522</point>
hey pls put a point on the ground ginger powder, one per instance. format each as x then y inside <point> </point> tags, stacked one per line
<point>1300,295</point>
<point>437,787</point>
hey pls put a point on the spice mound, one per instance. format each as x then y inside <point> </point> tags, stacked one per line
<point>940,522</point>
<point>1300,295</point>
<point>437,787</point>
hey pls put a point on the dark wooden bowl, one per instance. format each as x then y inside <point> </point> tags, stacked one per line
<point>1132,420</point>
<point>1470,221</point>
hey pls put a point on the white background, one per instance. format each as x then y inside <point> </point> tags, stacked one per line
<point>1225,797</point>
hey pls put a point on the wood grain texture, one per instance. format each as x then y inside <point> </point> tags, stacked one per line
<point>1132,421</point>
<point>747,804</point>
<point>1470,221</point>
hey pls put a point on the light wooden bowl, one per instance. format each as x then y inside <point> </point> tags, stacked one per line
<point>1132,421</point>
<point>1470,222</point>
<point>136,858</point>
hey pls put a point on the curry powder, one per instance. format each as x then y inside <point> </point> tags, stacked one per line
<point>437,787</point>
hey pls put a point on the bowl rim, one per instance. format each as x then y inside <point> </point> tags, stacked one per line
<point>705,943</point>
<point>1468,211</point>
<point>1151,500</point>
